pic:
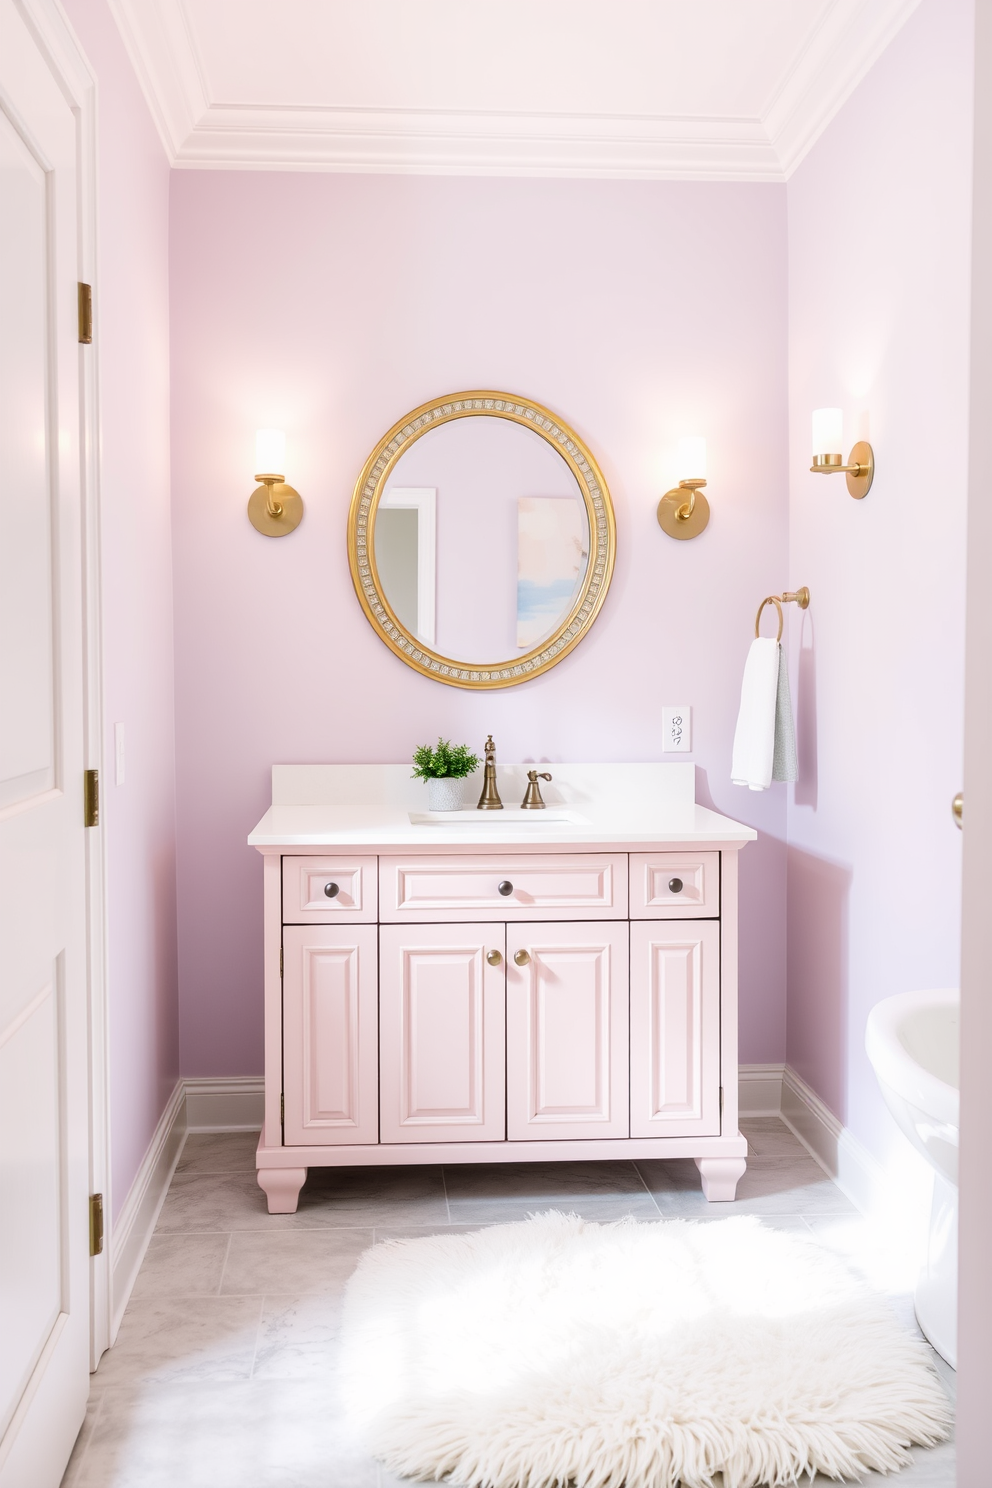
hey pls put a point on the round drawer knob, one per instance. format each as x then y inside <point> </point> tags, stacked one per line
<point>506,887</point>
<point>522,958</point>
<point>332,890</point>
<point>676,885</point>
<point>494,958</point>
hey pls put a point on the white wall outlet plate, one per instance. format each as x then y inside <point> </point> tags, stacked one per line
<point>676,730</point>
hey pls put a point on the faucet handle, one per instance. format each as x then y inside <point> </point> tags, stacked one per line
<point>533,800</point>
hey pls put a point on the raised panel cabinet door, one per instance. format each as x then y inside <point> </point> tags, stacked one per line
<point>567,1035</point>
<point>330,1048</point>
<point>442,1033</point>
<point>675,1028</point>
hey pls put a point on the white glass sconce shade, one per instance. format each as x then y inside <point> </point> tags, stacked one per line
<point>270,452</point>
<point>692,458</point>
<point>828,431</point>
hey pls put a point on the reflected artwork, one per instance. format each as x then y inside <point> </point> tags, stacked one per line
<point>551,560</point>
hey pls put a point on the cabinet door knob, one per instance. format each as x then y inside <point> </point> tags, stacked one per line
<point>522,958</point>
<point>957,809</point>
<point>332,890</point>
<point>676,885</point>
<point>494,958</point>
<point>506,887</point>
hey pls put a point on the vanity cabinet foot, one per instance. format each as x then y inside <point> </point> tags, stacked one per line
<point>282,1188</point>
<point>720,1176</point>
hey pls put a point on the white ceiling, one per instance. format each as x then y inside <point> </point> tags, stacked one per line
<point>694,89</point>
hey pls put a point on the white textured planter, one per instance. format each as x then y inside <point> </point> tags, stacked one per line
<point>444,794</point>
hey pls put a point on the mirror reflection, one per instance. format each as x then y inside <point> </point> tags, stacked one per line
<point>481,539</point>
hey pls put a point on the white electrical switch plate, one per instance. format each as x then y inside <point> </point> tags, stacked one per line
<point>118,754</point>
<point>676,729</point>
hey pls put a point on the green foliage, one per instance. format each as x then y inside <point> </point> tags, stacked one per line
<point>447,761</point>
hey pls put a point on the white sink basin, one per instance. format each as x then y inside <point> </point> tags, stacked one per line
<point>510,816</point>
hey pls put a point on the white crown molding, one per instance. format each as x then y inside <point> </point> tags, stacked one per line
<point>850,37</point>
<point>377,141</point>
<point>209,134</point>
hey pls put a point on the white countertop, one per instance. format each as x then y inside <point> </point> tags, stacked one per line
<point>370,806</point>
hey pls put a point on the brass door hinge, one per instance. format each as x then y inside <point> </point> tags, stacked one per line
<point>721,1102</point>
<point>91,798</point>
<point>280,960</point>
<point>84,305</point>
<point>96,1224</point>
<point>282,1109</point>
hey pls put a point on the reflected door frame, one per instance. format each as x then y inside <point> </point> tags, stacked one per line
<point>57,44</point>
<point>422,500</point>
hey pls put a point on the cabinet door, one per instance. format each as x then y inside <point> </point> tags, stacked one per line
<point>442,1043</point>
<point>329,1034</point>
<point>675,1028</point>
<point>566,1031</point>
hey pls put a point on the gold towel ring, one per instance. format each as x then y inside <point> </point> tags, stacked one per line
<point>772,599</point>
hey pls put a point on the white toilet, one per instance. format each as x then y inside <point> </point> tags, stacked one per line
<point>913,1043</point>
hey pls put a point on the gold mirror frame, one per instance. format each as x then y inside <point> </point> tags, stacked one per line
<point>602,539</point>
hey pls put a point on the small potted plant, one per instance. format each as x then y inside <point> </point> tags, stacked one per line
<point>444,768</point>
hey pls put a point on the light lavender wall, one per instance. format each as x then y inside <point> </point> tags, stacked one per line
<point>329,306</point>
<point>132,346</point>
<point>879,252</point>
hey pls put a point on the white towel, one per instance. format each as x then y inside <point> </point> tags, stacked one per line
<point>765,739</point>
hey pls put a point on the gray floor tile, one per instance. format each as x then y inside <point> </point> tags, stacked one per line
<point>182,1266</point>
<point>218,1152</point>
<point>234,1201</point>
<point>769,1186</point>
<point>524,1180</point>
<point>298,1338</point>
<point>420,1232</point>
<point>259,1434</point>
<point>370,1196</point>
<point>167,1340</point>
<point>600,1208</point>
<point>316,1261</point>
<point>767,1136</point>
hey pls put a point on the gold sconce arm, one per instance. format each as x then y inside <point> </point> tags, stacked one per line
<point>860,470</point>
<point>681,518</point>
<point>274,509</point>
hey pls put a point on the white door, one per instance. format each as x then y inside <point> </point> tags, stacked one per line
<point>567,1041</point>
<point>674,1028</point>
<point>44,1249</point>
<point>442,1033</point>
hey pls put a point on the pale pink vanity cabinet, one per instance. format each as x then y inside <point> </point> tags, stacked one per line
<point>487,993</point>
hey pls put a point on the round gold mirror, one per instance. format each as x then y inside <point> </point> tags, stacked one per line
<point>481,539</point>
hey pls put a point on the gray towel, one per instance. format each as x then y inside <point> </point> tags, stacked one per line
<point>785,764</point>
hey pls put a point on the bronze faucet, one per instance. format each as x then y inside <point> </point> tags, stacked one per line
<point>489,800</point>
<point>533,800</point>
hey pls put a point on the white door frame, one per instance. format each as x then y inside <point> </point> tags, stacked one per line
<point>57,41</point>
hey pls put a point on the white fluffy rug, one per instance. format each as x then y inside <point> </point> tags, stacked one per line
<point>629,1355</point>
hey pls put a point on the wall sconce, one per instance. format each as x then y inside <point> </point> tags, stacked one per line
<point>828,459</point>
<point>683,512</point>
<point>273,507</point>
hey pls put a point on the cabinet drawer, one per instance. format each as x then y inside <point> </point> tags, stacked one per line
<point>317,891</point>
<point>674,886</point>
<point>565,886</point>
